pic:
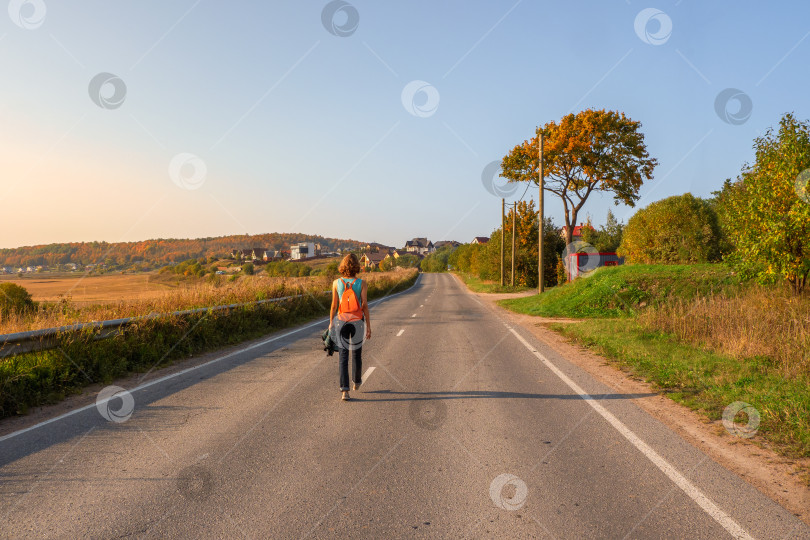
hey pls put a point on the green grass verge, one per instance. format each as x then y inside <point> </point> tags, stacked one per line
<point>46,377</point>
<point>622,290</point>
<point>478,285</point>
<point>703,380</point>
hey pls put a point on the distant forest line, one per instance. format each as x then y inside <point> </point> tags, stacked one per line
<point>158,251</point>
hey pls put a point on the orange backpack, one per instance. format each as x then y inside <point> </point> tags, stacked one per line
<point>349,308</point>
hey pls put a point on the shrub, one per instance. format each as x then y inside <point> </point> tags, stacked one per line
<point>562,273</point>
<point>247,268</point>
<point>288,269</point>
<point>437,261</point>
<point>331,269</point>
<point>190,267</point>
<point>676,230</point>
<point>608,238</point>
<point>766,212</point>
<point>14,298</point>
<point>407,261</point>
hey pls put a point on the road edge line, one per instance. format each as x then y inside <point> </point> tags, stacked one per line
<point>706,504</point>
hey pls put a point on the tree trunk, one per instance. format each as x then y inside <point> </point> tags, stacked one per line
<point>569,231</point>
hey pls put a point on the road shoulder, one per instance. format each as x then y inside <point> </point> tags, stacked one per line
<point>755,461</point>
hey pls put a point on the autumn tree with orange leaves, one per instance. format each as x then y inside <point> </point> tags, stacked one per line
<point>586,152</point>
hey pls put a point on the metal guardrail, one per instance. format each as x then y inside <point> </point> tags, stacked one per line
<point>45,338</point>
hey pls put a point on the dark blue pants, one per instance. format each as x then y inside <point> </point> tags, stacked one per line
<point>347,337</point>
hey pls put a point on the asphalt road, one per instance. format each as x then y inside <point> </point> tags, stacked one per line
<point>467,427</point>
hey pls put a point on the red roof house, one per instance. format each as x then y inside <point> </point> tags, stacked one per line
<point>577,231</point>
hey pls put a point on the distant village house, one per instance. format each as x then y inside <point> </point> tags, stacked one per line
<point>374,247</point>
<point>577,234</point>
<point>420,246</point>
<point>373,260</point>
<point>400,252</point>
<point>445,243</point>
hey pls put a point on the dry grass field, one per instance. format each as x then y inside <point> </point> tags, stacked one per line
<point>760,322</point>
<point>91,289</point>
<point>116,296</point>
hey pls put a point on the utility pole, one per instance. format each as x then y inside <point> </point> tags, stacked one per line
<point>503,225</point>
<point>514,217</point>
<point>541,182</point>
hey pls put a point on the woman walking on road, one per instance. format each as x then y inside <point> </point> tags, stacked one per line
<point>353,325</point>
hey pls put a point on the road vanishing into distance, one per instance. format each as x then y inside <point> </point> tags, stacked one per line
<point>466,427</point>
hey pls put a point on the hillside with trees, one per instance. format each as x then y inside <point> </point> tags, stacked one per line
<point>159,251</point>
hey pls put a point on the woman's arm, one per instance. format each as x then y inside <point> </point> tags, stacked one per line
<point>364,300</point>
<point>334,308</point>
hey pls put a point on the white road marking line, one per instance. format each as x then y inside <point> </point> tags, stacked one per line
<point>400,332</point>
<point>187,370</point>
<point>733,528</point>
<point>367,374</point>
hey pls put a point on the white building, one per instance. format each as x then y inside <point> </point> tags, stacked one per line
<point>304,250</point>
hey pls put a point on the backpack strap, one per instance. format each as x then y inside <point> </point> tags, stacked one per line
<point>348,285</point>
<point>342,281</point>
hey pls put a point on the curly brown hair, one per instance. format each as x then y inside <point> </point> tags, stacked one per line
<point>350,266</point>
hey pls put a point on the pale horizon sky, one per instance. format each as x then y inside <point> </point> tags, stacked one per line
<point>256,117</point>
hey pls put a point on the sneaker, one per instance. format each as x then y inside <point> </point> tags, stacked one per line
<point>357,386</point>
<point>345,396</point>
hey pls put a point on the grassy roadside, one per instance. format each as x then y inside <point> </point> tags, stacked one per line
<point>703,380</point>
<point>694,332</point>
<point>624,290</point>
<point>46,377</point>
<point>476,284</point>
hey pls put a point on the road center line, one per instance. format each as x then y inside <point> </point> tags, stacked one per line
<point>733,528</point>
<point>367,374</point>
<point>400,332</point>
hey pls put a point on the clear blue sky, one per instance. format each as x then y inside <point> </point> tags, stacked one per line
<point>300,130</point>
